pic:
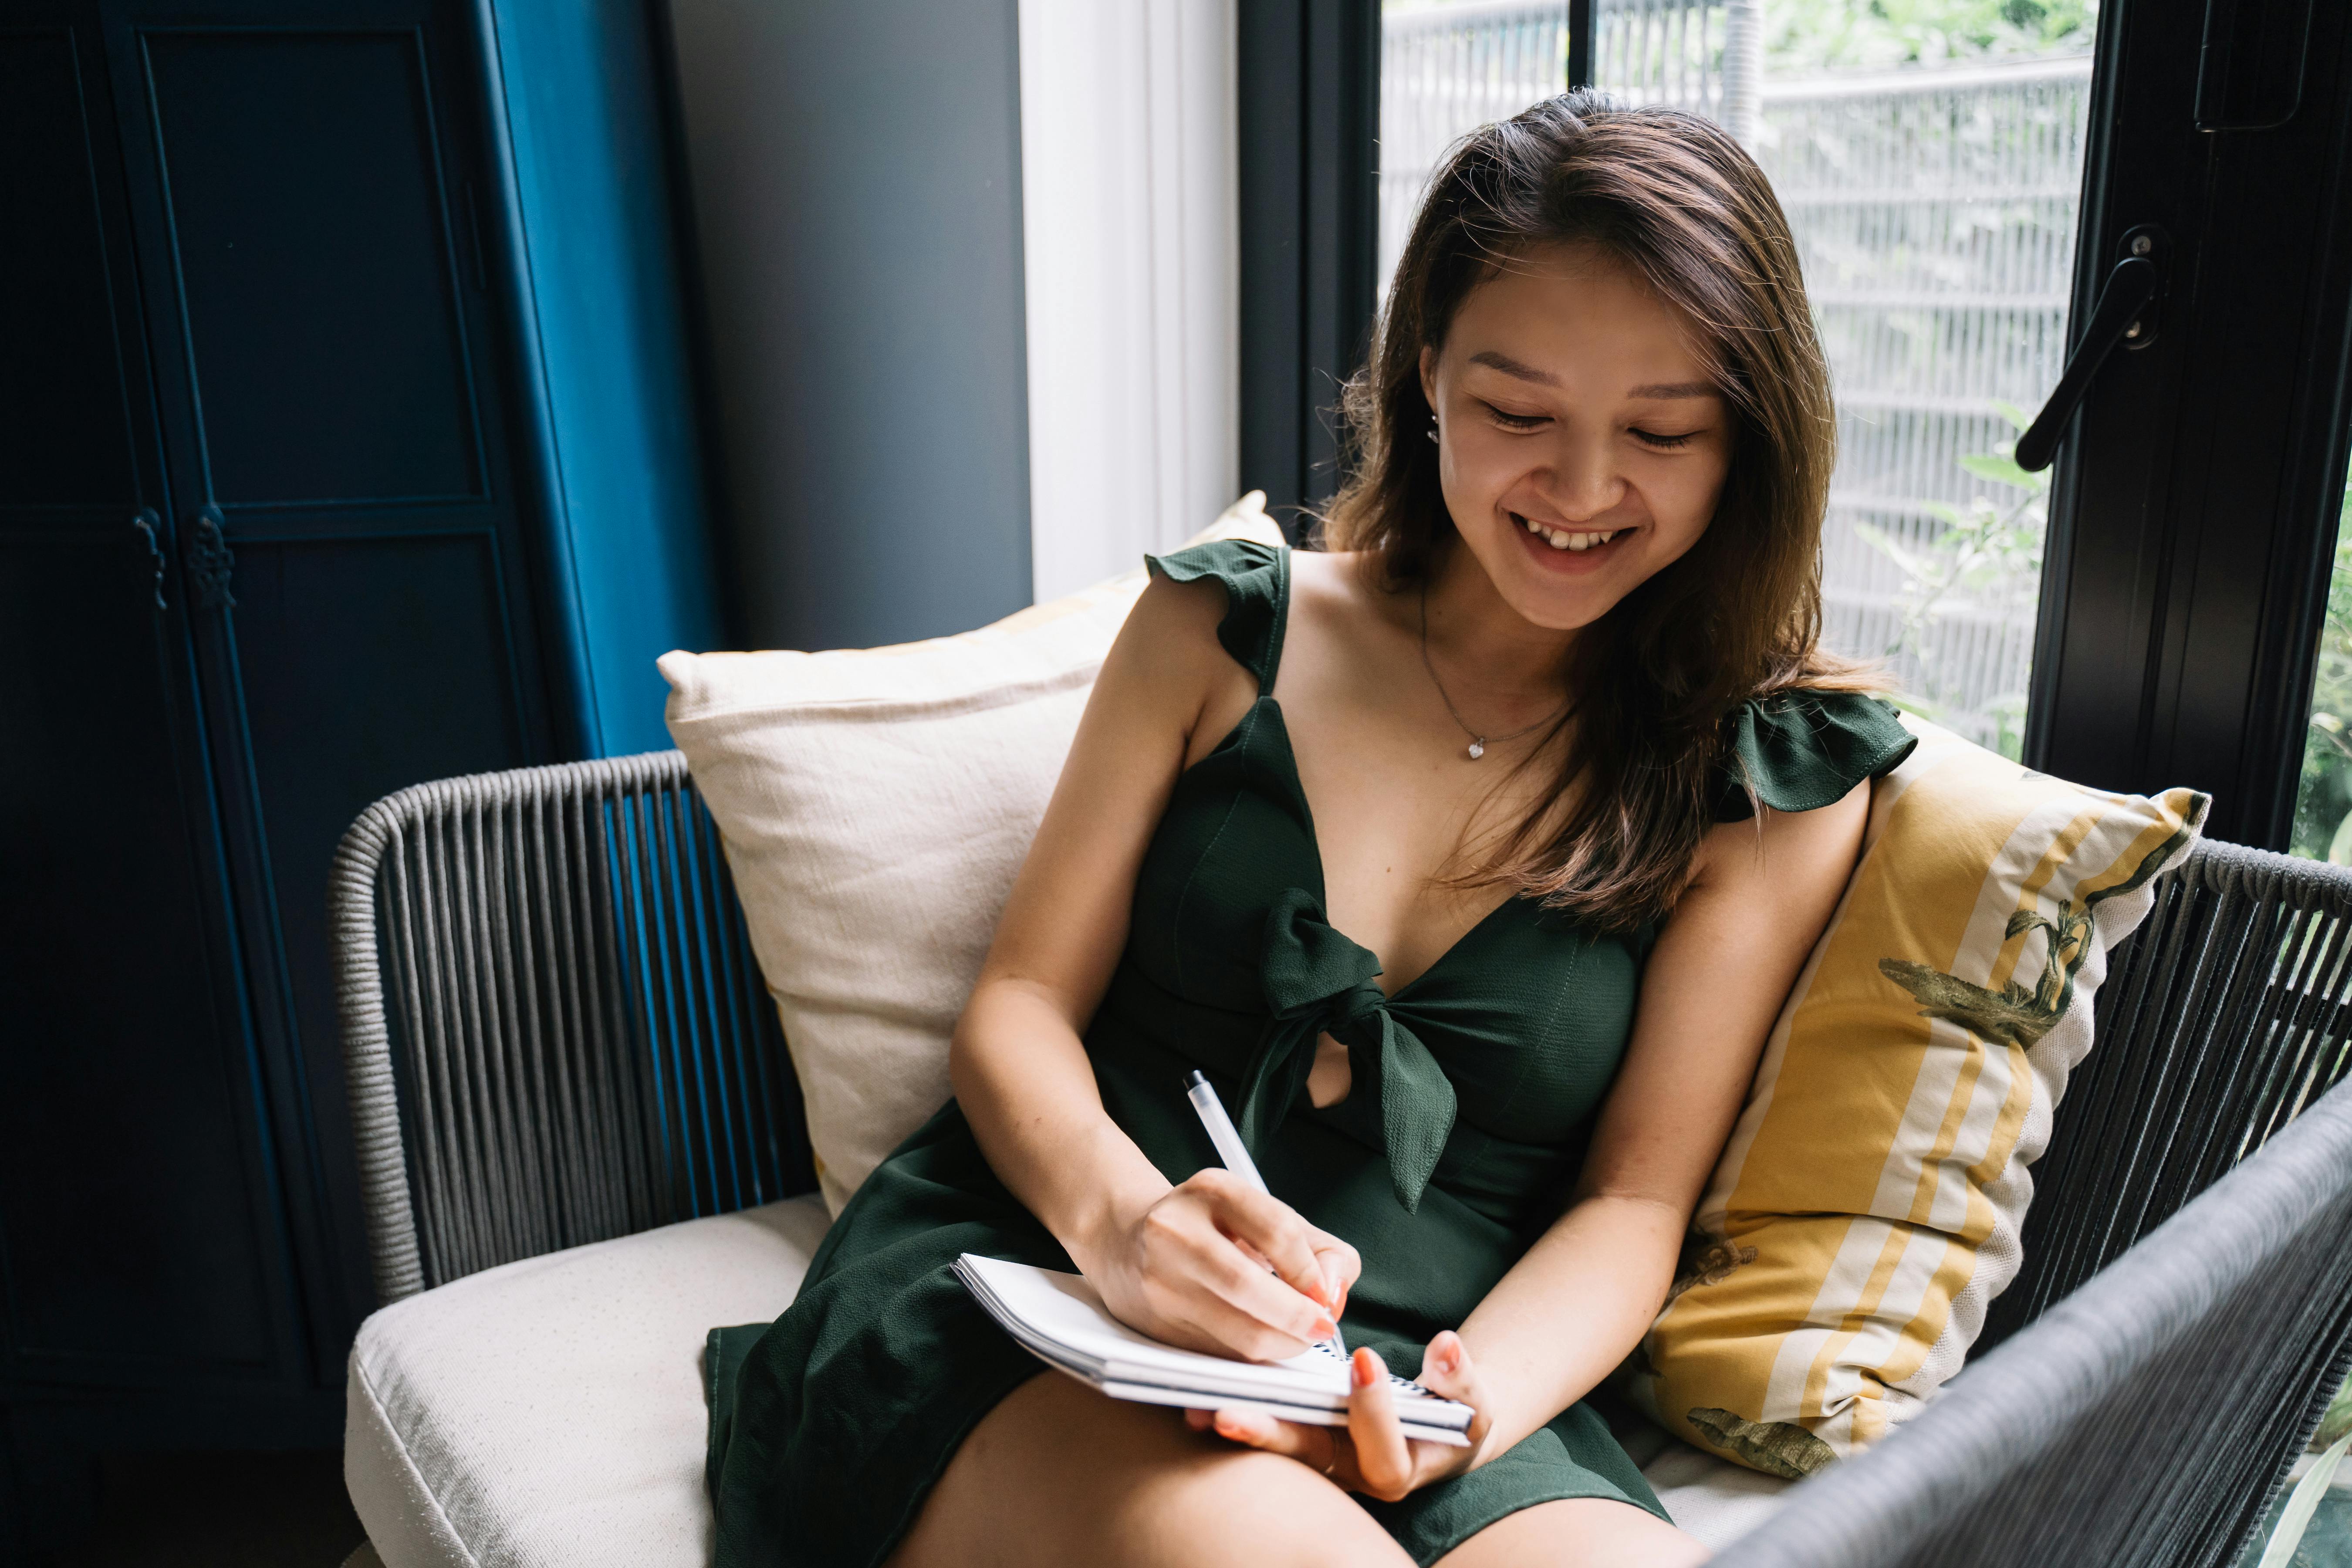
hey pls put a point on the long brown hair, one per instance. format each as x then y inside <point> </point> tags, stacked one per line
<point>1656,682</point>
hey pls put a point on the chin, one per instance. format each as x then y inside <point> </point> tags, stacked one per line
<point>1569,578</point>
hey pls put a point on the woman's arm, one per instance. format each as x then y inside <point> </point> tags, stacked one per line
<point>1723,967</point>
<point>1577,1303</point>
<point>1188,1263</point>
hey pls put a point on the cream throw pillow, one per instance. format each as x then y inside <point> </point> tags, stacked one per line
<point>875,805</point>
<point>1868,1206</point>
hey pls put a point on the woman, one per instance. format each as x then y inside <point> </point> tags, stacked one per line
<point>1546,735</point>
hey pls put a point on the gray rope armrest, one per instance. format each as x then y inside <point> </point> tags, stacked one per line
<point>2141,1388</point>
<point>2143,1419</point>
<point>554,1028</point>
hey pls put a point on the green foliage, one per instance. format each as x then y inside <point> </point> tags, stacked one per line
<point>2322,800</point>
<point>1990,551</point>
<point>1879,35</point>
<point>2336,1424</point>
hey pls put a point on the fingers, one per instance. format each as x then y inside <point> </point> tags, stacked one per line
<point>1384,1464</point>
<point>1447,1370</point>
<point>1202,1268</point>
<point>1272,1228</point>
<point>1195,1280</point>
<point>1341,1266</point>
<point>1259,1430</point>
<point>1320,1448</point>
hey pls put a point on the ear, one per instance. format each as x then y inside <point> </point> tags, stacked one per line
<point>1429,377</point>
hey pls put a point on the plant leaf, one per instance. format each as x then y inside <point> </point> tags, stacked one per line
<point>1999,471</point>
<point>2301,1504</point>
<point>2014,415</point>
<point>1909,564</point>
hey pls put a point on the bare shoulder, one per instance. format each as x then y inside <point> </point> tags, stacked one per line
<point>1786,858</point>
<point>1167,666</point>
<point>1337,590</point>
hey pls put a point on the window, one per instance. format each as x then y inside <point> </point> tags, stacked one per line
<point>1930,170</point>
<point>2323,799</point>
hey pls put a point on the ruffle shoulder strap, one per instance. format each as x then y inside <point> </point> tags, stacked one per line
<point>1257,584</point>
<point>1800,751</point>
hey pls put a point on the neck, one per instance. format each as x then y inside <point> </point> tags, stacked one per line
<point>1486,647</point>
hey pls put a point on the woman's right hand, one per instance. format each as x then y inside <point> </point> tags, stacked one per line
<point>1192,1268</point>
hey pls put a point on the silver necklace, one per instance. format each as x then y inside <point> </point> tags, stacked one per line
<point>1478,742</point>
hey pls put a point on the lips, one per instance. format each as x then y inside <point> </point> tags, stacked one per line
<point>1571,539</point>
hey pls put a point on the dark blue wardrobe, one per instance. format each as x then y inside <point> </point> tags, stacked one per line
<point>345,442</point>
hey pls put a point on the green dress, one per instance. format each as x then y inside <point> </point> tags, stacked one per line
<point>1474,1093</point>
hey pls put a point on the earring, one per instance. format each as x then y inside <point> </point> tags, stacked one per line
<point>1432,431</point>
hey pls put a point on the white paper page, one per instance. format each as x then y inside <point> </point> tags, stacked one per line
<point>1065,1308</point>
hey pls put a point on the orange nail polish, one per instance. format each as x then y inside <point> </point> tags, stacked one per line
<point>1363,1375</point>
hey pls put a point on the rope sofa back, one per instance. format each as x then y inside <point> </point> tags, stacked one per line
<point>554,1031</point>
<point>2227,1014</point>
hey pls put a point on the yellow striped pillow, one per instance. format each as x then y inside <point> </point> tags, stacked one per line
<point>1868,1204</point>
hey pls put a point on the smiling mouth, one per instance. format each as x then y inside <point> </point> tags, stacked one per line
<point>1577,539</point>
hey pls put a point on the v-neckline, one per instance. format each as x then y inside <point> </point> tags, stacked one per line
<point>1322,873</point>
<point>1238,735</point>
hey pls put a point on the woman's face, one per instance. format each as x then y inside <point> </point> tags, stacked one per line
<point>1582,444</point>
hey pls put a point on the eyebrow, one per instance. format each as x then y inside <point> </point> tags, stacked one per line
<point>1660,391</point>
<point>1511,366</point>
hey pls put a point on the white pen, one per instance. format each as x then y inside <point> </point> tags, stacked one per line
<point>1236,1159</point>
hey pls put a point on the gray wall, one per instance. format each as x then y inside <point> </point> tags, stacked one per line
<point>856,184</point>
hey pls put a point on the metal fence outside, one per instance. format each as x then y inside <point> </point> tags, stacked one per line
<point>1934,211</point>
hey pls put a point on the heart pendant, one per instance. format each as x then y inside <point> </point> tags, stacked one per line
<point>1477,750</point>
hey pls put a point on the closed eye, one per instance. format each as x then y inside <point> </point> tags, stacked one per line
<point>1663,443</point>
<point>1517,421</point>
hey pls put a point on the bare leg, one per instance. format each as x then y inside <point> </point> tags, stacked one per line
<point>1059,1474</point>
<point>1584,1533</point>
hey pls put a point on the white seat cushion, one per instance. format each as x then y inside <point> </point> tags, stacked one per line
<point>551,1411</point>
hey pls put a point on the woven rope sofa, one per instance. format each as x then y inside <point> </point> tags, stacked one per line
<point>582,1144</point>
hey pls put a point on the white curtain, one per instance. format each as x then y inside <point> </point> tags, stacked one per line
<point>1130,240</point>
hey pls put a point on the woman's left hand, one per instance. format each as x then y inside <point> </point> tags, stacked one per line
<point>1372,1454</point>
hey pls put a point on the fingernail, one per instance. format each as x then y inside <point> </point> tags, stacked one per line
<point>1360,1370</point>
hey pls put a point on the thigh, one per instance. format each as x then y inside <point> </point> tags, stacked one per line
<point>1059,1474</point>
<point>1584,1533</point>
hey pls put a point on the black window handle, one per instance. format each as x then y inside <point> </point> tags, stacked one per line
<point>2123,318</point>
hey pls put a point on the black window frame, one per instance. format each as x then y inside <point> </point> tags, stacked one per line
<point>2194,503</point>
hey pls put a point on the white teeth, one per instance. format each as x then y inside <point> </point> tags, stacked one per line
<point>1561,539</point>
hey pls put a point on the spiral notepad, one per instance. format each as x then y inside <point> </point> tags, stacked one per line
<point>1060,1320</point>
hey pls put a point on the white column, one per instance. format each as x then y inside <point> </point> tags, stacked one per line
<point>1131,241</point>
<point>1743,68</point>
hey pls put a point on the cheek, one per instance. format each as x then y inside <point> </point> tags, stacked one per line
<point>1478,468</point>
<point>1682,497</point>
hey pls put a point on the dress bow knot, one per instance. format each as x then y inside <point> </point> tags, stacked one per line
<point>1316,982</point>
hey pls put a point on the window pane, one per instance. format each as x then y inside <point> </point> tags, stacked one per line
<point>1446,68</point>
<point>2322,800</point>
<point>1930,167</point>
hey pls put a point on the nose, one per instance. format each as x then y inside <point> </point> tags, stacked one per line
<point>1583,481</point>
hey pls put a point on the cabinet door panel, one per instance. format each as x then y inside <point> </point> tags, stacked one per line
<point>308,228</point>
<point>125,1108</point>
<point>368,665</point>
<point>334,363</point>
<point>65,434</point>
<point>138,1236</point>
